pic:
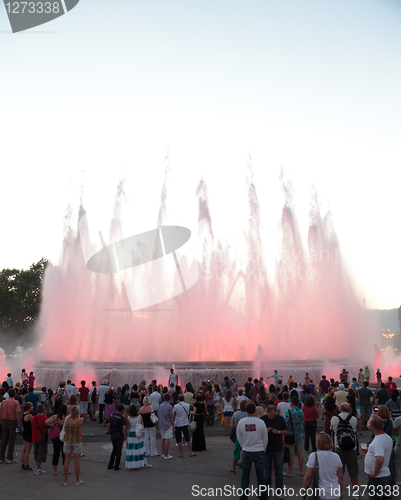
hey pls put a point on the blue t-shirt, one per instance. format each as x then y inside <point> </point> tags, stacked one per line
<point>276,376</point>
<point>382,397</point>
<point>32,398</point>
<point>297,422</point>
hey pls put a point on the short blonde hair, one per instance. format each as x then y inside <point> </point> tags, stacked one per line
<point>260,412</point>
<point>145,400</point>
<point>324,442</point>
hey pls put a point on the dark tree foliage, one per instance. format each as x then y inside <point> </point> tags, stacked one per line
<point>21,297</point>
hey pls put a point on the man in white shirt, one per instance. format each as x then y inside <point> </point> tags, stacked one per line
<point>349,458</point>
<point>252,437</point>
<point>173,379</point>
<point>377,459</point>
<point>100,398</point>
<point>154,400</point>
<point>284,405</point>
<point>181,414</point>
<point>71,389</point>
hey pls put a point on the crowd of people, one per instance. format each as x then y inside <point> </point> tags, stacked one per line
<point>270,425</point>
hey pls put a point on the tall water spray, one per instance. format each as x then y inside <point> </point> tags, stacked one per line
<point>306,310</point>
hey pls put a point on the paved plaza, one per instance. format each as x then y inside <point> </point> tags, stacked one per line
<point>174,479</point>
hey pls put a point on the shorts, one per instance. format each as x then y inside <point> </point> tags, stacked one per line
<point>83,405</point>
<point>228,413</point>
<point>349,459</point>
<point>93,406</point>
<point>296,449</point>
<point>184,430</point>
<point>167,434</point>
<point>366,411</point>
<point>75,448</point>
<point>28,439</point>
<point>237,450</point>
<point>40,451</point>
<point>358,413</point>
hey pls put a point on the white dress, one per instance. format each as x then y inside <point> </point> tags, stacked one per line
<point>135,456</point>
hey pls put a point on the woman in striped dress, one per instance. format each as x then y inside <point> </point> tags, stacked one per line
<point>135,456</point>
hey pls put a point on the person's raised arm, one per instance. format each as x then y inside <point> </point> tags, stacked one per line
<point>51,422</point>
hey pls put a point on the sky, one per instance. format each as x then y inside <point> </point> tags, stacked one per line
<point>107,91</point>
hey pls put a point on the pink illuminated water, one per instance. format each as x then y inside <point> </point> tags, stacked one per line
<point>306,309</point>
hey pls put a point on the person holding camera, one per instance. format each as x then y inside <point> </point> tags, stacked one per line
<point>62,394</point>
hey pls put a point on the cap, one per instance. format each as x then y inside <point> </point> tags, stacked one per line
<point>341,386</point>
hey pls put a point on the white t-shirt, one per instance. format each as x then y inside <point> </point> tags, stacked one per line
<point>381,446</point>
<point>101,392</point>
<point>228,406</point>
<point>154,400</point>
<point>241,398</point>
<point>181,411</point>
<point>173,379</point>
<point>283,407</point>
<point>71,389</point>
<point>329,463</point>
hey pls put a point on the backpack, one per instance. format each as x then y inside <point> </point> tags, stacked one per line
<point>115,424</point>
<point>345,434</point>
<point>93,396</point>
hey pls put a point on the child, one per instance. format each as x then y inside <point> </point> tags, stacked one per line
<point>9,380</point>
<point>43,396</point>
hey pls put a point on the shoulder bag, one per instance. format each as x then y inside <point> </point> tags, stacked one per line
<point>153,418</point>
<point>62,433</point>
<point>139,429</point>
<point>290,438</point>
<point>45,435</point>
<point>192,425</point>
<point>314,485</point>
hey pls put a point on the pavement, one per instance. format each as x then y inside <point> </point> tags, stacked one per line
<point>174,479</point>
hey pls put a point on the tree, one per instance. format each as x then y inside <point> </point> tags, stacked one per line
<point>21,297</point>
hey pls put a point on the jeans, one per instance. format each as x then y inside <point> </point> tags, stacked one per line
<point>310,432</point>
<point>210,418</point>
<point>101,413</point>
<point>256,457</point>
<point>377,487</point>
<point>9,436</point>
<point>277,458</point>
<point>116,453</point>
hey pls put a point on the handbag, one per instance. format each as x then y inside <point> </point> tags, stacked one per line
<point>192,425</point>
<point>55,431</point>
<point>233,434</point>
<point>153,418</point>
<point>286,455</point>
<point>290,438</point>
<point>139,430</point>
<point>62,433</point>
<point>314,485</point>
